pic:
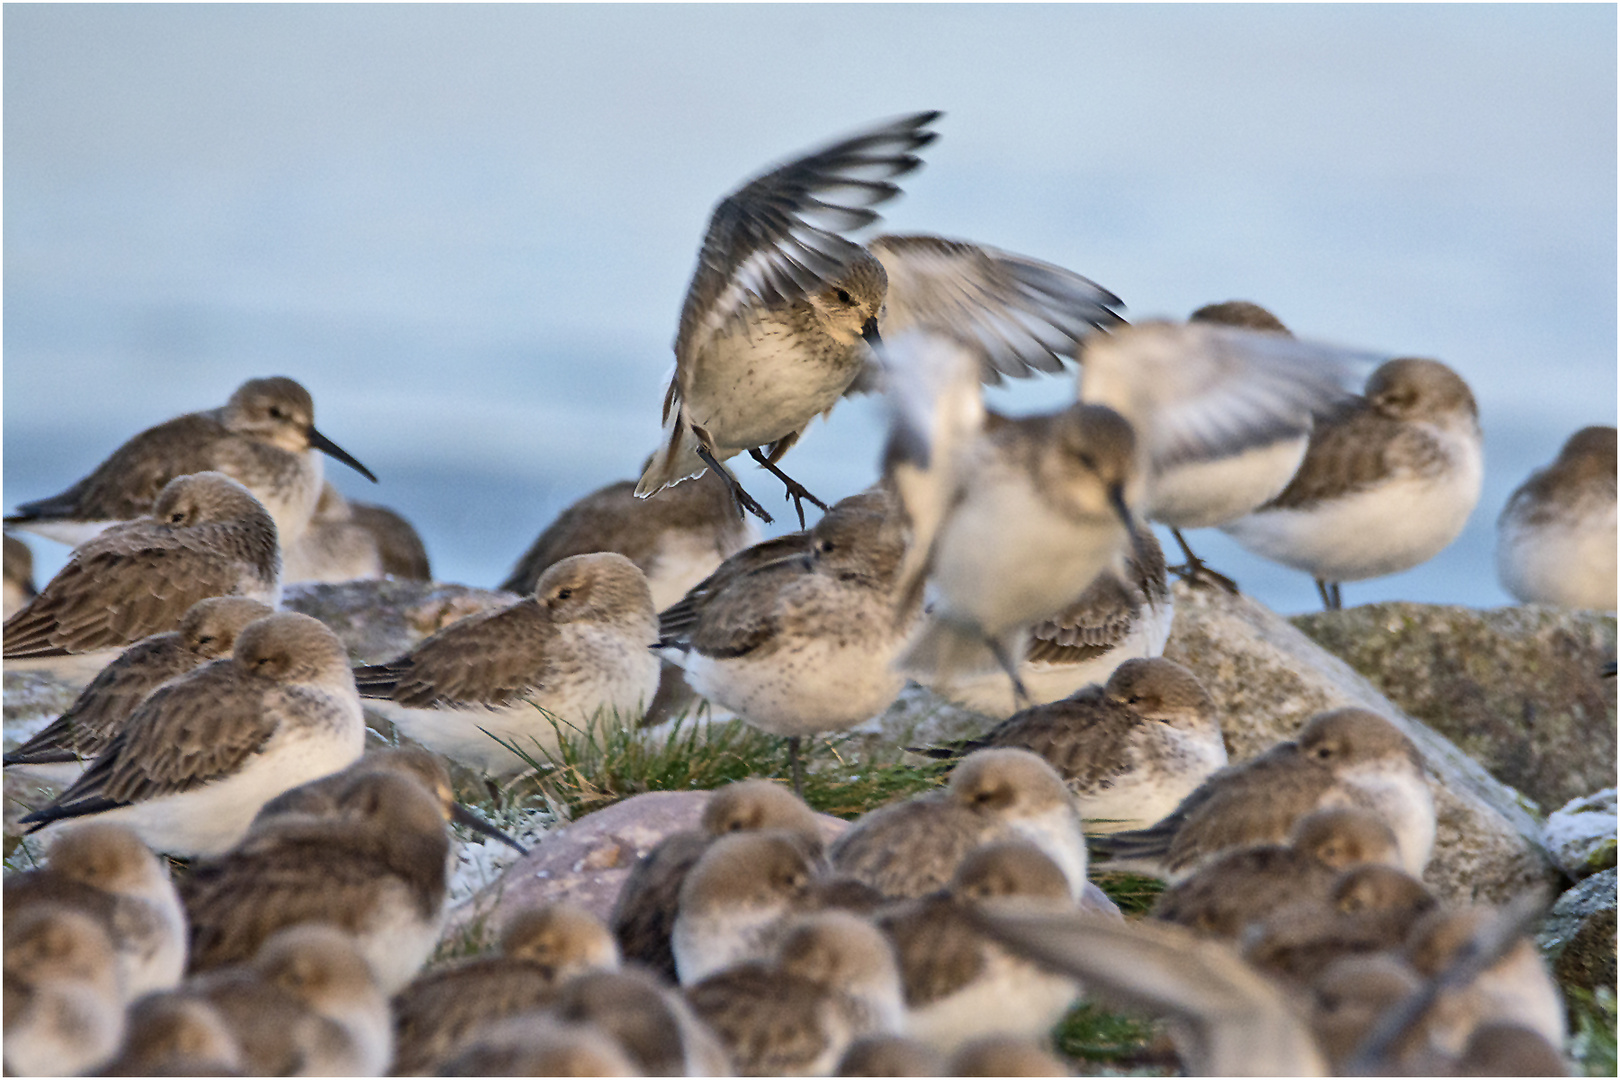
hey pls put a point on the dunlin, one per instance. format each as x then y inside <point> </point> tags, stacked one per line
<point>176,1035</point>
<point>1228,1019</point>
<point>1555,540</point>
<point>64,1000</point>
<point>324,797</point>
<point>18,566</point>
<point>1368,909</point>
<point>1344,757</point>
<point>644,912</point>
<point>961,985</point>
<point>207,536</point>
<point>540,949</point>
<point>376,869</point>
<point>804,646</point>
<point>199,757</point>
<point>1351,994</point>
<point>831,980</point>
<point>307,1005</point>
<point>1503,1049</point>
<point>782,307</point>
<point>535,1045</point>
<point>1387,482</point>
<point>1247,884</point>
<point>1130,750</point>
<point>1017,517</point>
<point>207,632</point>
<point>264,437</point>
<point>104,871</point>
<point>676,539</point>
<point>650,1022</point>
<point>910,848</point>
<point>483,689</point>
<point>1116,619</point>
<point>1199,494</point>
<point>737,896</point>
<point>1516,988</point>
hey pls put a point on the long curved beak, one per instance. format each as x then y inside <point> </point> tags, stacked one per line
<point>870,333</point>
<point>463,816</point>
<point>327,446</point>
<point>1116,499</point>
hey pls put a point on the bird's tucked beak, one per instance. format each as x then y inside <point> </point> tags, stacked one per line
<point>320,442</point>
<point>463,816</point>
<point>869,332</point>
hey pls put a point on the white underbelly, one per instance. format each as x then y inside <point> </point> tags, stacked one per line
<point>754,388</point>
<point>1199,494</point>
<point>812,686</point>
<point>1570,562</point>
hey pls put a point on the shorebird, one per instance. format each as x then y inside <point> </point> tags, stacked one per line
<point>103,871</point>
<point>207,536</point>
<point>961,985</point>
<point>1228,1019</point>
<point>264,437</point>
<point>1130,750</point>
<point>354,541</point>
<point>540,949</point>
<point>650,1022</point>
<point>1555,540</point>
<point>1116,619</point>
<point>199,757</point>
<point>911,848</point>
<point>831,979</point>
<point>207,632</point>
<point>324,797</point>
<point>887,1054</point>
<point>1199,494</point>
<point>306,1005</point>
<point>782,307</point>
<point>1246,884</point>
<point>677,539</point>
<point>1004,1055</point>
<point>805,645</point>
<point>376,870</point>
<point>64,999</point>
<point>1343,757</point>
<point>486,688</point>
<point>648,901</point>
<point>1012,519</point>
<point>1387,482</point>
<point>175,1035</point>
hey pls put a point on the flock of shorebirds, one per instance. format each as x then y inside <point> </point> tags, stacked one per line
<point>1007,563</point>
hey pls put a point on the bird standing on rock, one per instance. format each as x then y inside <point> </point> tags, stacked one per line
<point>782,307</point>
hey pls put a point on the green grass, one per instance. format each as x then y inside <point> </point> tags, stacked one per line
<point>1593,1043</point>
<point>1135,895</point>
<point>604,763</point>
<point>1096,1036</point>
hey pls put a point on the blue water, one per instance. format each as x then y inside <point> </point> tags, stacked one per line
<point>468,230</point>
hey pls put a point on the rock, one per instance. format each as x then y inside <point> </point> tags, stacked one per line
<point>378,620</point>
<point>1578,937</point>
<point>1267,678</point>
<point>1518,689</point>
<point>1581,836</point>
<point>586,862</point>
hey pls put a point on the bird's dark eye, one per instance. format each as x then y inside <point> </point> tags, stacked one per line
<point>177,518</point>
<point>843,296</point>
<point>563,594</point>
<point>825,547</point>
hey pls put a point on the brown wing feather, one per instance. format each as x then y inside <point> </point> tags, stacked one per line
<point>770,1023</point>
<point>488,658</point>
<point>677,621</point>
<point>644,913</point>
<point>939,950</point>
<point>132,581</point>
<point>188,732</point>
<point>1349,451</point>
<point>125,486</point>
<point>933,835</point>
<point>438,1010</point>
<point>97,715</point>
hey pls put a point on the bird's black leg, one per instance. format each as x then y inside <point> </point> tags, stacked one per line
<point>795,490</point>
<point>1004,658</point>
<point>1195,570</point>
<point>1329,591</point>
<point>796,765</point>
<point>744,500</point>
